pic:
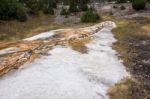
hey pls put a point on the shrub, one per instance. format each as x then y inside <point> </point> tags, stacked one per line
<point>21,14</point>
<point>138,4</point>
<point>54,5</point>
<point>121,1</point>
<point>90,16</point>
<point>32,5</point>
<point>73,6</point>
<point>64,12</point>
<point>65,2</point>
<point>73,9</point>
<point>122,7</point>
<point>48,10</point>
<point>115,7</point>
<point>11,9</point>
<point>91,9</point>
<point>83,7</point>
<point>148,1</point>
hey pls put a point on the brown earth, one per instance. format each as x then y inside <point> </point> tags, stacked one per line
<point>134,47</point>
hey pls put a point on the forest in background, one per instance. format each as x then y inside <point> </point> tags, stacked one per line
<point>21,9</point>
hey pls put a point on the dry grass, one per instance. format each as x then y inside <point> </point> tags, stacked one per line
<point>14,30</point>
<point>127,89</point>
<point>125,29</point>
<point>126,32</point>
<point>79,45</point>
<point>146,28</point>
<point>119,91</point>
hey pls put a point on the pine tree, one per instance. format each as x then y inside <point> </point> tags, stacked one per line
<point>33,6</point>
<point>83,5</point>
<point>73,6</point>
<point>138,4</point>
<point>48,6</point>
<point>12,9</point>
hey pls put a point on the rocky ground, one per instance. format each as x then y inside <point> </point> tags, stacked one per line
<point>134,46</point>
<point>139,47</point>
<point>127,12</point>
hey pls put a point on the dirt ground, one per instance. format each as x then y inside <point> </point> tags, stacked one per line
<point>133,46</point>
<point>14,30</point>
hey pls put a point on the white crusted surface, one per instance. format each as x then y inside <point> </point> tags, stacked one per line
<point>67,74</point>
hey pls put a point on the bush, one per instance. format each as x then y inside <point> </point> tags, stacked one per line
<point>21,14</point>
<point>91,9</point>
<point>90,16</point>
<point>48,10</point>
<point>65,2</point>
<point>115,7</point>
<point>33,6</point>
<point>73,6</point>
<point>148,1</point>
<point>122,7</point>
<point>83,7</point>
<point>11,9</point>
<point>64,12</point>
<point>54,5</point>
<point>121,1</point>
<point>138,4</point>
